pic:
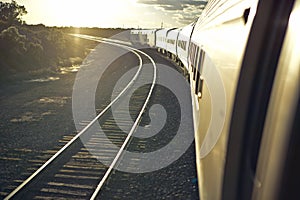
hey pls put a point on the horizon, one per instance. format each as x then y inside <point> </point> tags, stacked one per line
<point>111,14</point>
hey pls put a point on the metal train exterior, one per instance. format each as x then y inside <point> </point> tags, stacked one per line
<point>143,37</point>
<point>171,43</point>
<point>243,62</point>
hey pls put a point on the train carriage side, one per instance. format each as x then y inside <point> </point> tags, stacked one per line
<point>265,122</point>
<point>244,68</point>
<point>143,37</point>
<point>161,40</point>
<point>134,37</point>
<point>216,52</point>
<point>183,44</point>
<point>171,46</point>
<point>150,34</point>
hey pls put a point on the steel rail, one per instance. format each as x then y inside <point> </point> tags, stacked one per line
<point>50,160</point>
<point>112,165</point>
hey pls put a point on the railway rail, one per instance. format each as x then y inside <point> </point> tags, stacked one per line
<point>73,162</point>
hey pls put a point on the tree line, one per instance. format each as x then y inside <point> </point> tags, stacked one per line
<point>25,48</point>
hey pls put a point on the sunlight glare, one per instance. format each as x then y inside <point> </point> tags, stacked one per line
<point>88,12</point>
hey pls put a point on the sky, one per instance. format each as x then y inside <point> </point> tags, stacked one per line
<point>112,13</point>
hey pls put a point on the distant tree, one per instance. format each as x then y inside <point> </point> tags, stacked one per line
<point>12,41</point>
<point>11,13</point>
<point>24,47</point>
<point>12,50</point>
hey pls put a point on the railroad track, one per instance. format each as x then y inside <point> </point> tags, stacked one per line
<point>75,173</point>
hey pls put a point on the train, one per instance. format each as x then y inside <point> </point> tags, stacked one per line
<point>242,61</point>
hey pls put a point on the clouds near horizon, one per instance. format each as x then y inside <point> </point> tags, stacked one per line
<point>183,11</point>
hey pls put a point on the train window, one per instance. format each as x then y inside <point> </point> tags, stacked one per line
<point>193,57</point>
<point>170,41</point>
<point>192,54</point>
<point>191,51</point>
<point>200,66</point>
<point>196,61</point>
<point>197,72</point>
<point>196,56</point>
<point>181,44</point>
<point>199,79</point>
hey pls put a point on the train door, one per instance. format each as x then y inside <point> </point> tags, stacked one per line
<point>264,131</point>
<point>277,173</point>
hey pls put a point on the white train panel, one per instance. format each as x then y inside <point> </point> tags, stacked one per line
<point>171,41</point>
<point>134,36</point>
<point>143,37</point>
<point>216,52</point>
<point>161,38</point>
<point>150,35</point>
<point>183,44</point>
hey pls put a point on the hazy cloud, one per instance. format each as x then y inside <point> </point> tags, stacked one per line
<point>174,4</point>
<point>183,11</point>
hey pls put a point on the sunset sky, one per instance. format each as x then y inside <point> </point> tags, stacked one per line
<point>112,13</point>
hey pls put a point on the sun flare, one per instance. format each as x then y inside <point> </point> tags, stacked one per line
<point>87,13</point>
<point>97,13</point>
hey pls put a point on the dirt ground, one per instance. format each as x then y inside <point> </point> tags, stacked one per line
<point>35,115</point>
<point>36,120</point>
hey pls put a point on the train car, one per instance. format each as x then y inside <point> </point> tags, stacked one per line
<point>216,51</point>
<point>150,36</point>
<point>143,37</point>
<point>244,70</point>
<point>171,43</point>
<point>135,36</point>
<point>161,39</point>
<point>183,43</point>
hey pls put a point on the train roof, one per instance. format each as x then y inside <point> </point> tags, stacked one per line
<point>187,29</point>
<point>142,31</point>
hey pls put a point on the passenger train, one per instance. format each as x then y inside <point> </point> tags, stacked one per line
<point>242,59</point>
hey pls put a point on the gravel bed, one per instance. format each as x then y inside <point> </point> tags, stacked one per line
<point>36,118</point>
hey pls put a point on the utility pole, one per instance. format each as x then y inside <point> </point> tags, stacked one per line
<point>162,25</point>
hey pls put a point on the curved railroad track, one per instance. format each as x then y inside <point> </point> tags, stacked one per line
<point>72,172</point>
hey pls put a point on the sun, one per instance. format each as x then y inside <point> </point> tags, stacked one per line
<point>86,13</point>
<point>82,13</point>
